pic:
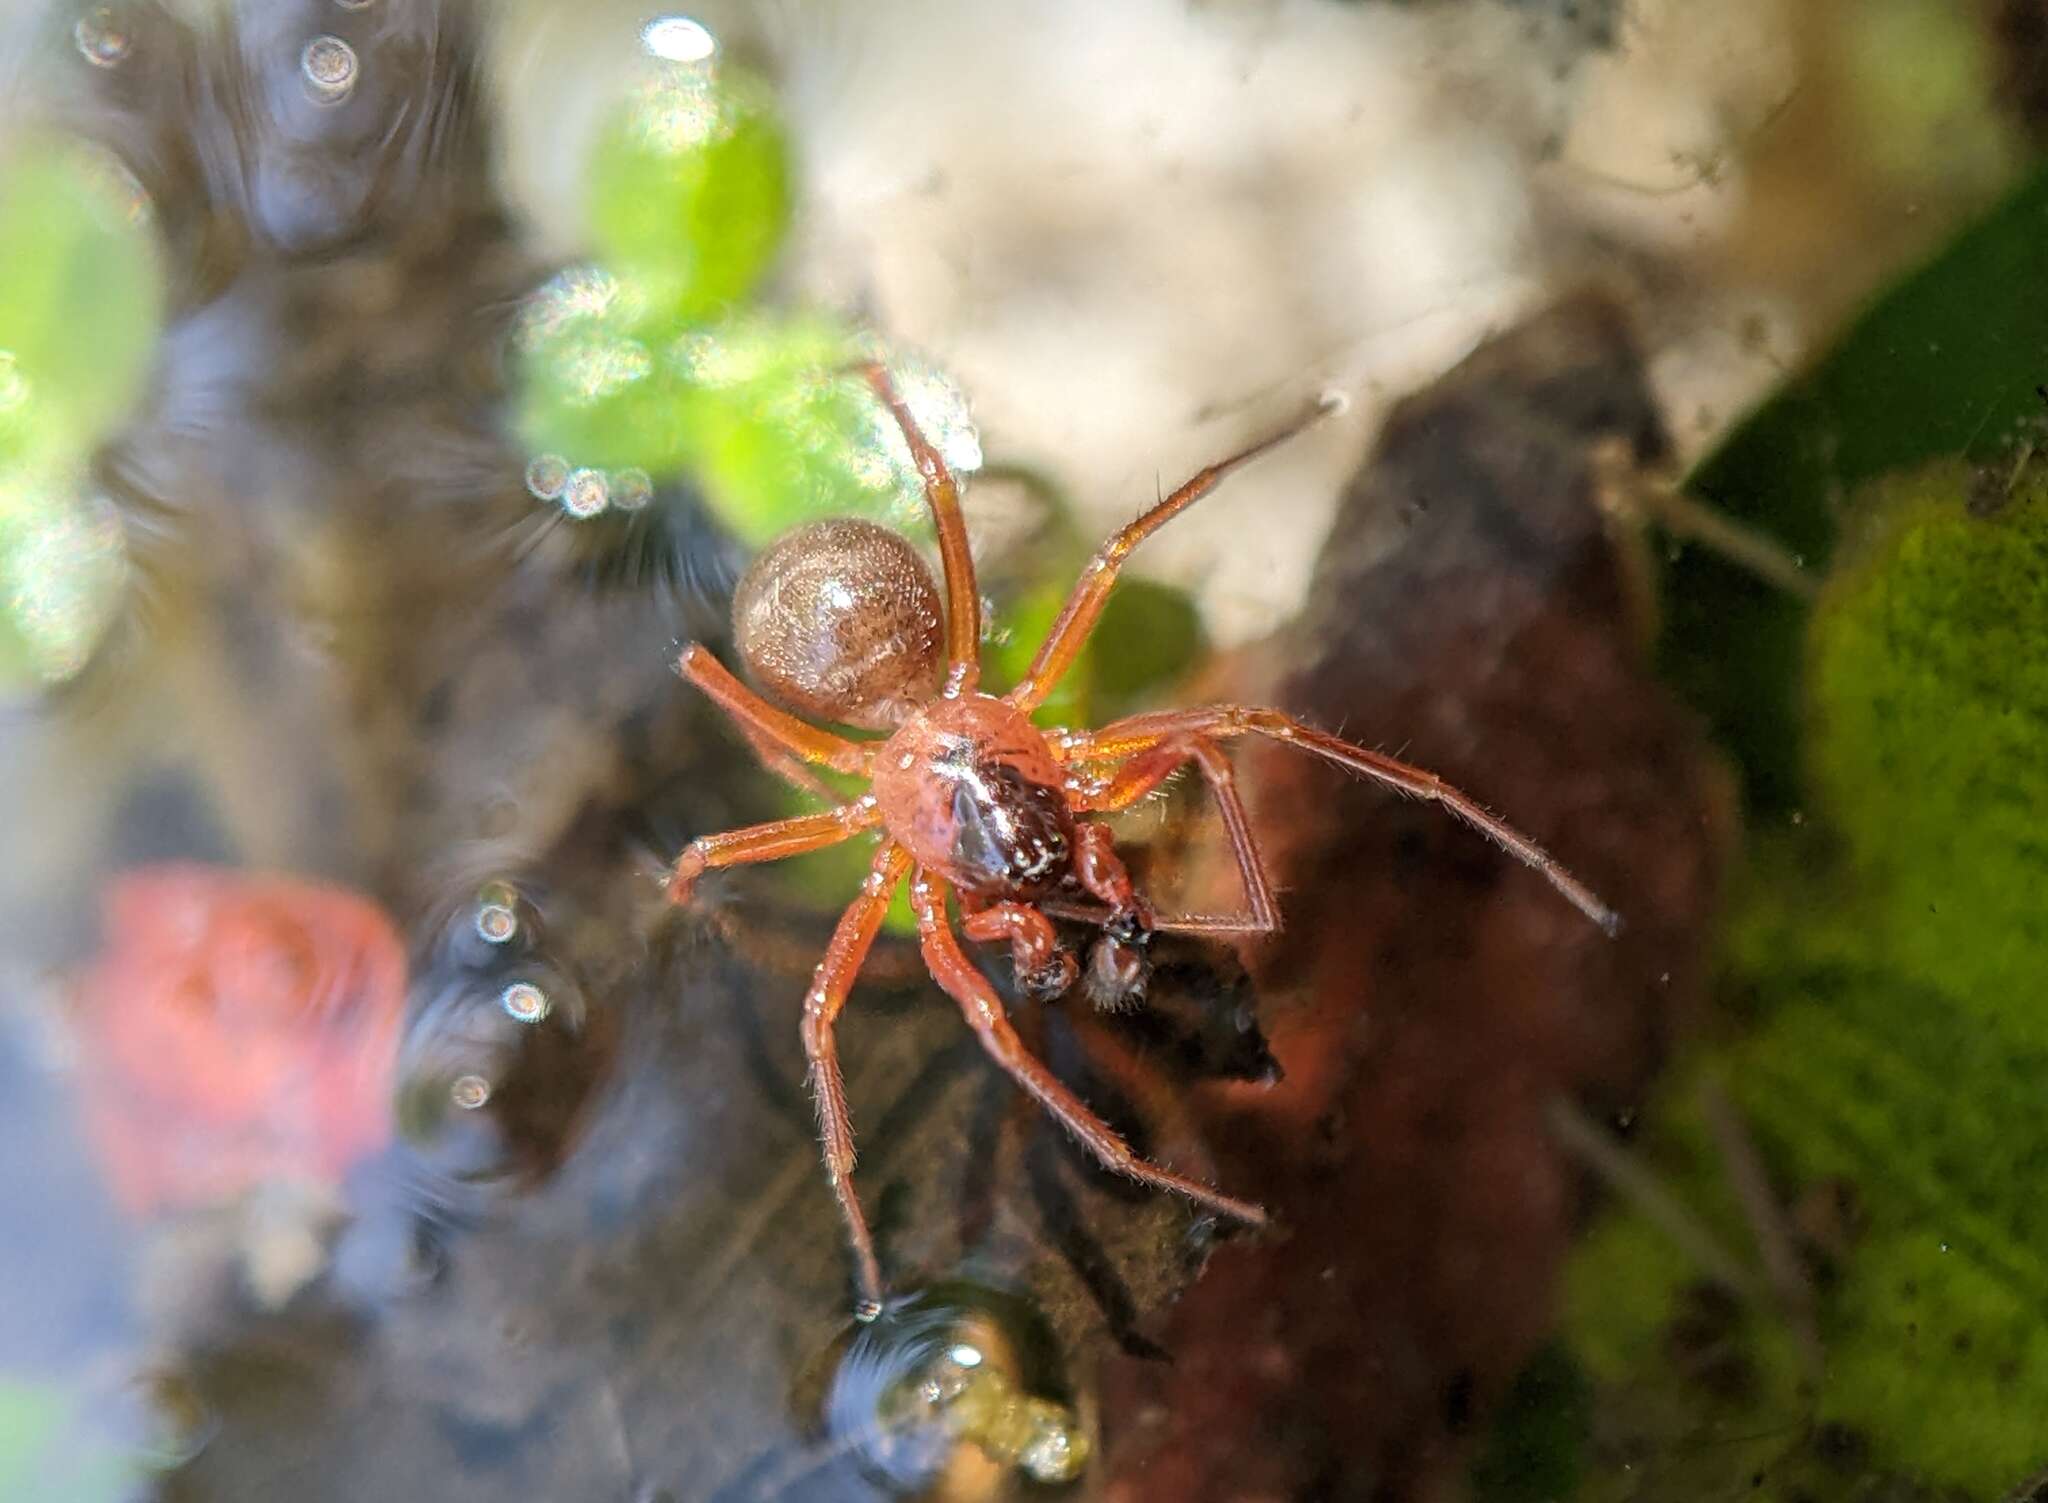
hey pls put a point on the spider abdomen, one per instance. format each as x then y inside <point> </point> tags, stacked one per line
<point>969,787</point>
<point>840,620</point>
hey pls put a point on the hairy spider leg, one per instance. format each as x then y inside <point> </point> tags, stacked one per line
<point>963,594</point>
<point>984,1012</point>
<point>1145,772</point>
<point>844,956</point>
<point>1141,733</point>
<point>769,842</point>
<point>1083,609</point>
<point>1034,945</point>
<point>761,722</point>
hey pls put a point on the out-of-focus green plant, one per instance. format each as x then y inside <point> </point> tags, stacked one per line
<point>1892,964</point>
<point>651,358</point>
<point>690,189</point>
<point>1945,363</point>
<point>81,300</point>
<point>81,303</point>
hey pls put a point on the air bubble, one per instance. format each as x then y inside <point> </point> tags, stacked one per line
<point>469,1092</point>
<point>524,1002</point>
<point>631,489</point>
<point>546,474</point>
<point>100,37</point>
<point>586,493</point>
<point>328,66</point>
<point>497,914</point>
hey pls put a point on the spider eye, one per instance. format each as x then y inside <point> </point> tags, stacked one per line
<point>840,620</point>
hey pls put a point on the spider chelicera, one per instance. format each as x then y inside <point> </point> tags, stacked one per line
<point>841,620</point>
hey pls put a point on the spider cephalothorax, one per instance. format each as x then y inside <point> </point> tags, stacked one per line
<point>975,803</point>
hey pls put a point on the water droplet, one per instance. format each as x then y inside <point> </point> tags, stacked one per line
<point>678,39</point>
<point>62,574</point>
<point>586,493</point>
<point>546,474</point>
<point>354,4</point>
<point>469,1092</point>
<point>1057,1450</point>
<point>524,1002</point>
<point>328,66</point>
<point>631,489</point>
<point>101,39</point>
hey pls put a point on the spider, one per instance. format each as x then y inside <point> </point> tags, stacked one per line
<point>841,620</point>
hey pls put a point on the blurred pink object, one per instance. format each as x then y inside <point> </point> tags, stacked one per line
<point>236,1029</point>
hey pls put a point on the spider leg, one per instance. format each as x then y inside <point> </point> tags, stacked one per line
<point>1042,966</point>
<point>769,842</point>
<point>1145,772</point>
<point>1141,733</point>
<point>1084,607</point>
<point>963,594</point>
<point>762,724</point>
<point>984,1012</point>
<point>844,955</point>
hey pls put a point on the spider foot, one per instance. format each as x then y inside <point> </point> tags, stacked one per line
<point>1052,980</point>
<point>1119,967</point>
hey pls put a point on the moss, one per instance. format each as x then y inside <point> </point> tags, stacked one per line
<point>1928,691</point>
<point>1890,959</point>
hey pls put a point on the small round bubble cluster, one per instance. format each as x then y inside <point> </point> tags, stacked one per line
<point>584,492</point>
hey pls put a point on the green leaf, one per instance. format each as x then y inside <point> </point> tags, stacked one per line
<point>1928,681</point>
<point>1945,363</point>
<point>1893,964</point>
<point>80,301</point>
<point>599,387</point>
<point>690,188</point>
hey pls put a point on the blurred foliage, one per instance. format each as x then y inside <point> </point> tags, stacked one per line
<point>1945,363</point>
<point>1533,1452</point>
<point>28,1417</point>
<point>1890,964</point>
<point>651,358</point>
<point>690,189</point>
<point>81,303</point>
<point>41,1454</point>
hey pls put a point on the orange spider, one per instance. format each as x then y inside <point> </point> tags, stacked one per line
<point>841,620</point>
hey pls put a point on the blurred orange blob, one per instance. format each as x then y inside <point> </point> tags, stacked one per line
<point>236,1029</point>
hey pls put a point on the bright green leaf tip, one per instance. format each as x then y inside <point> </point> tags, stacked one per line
<point>690,188</point>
